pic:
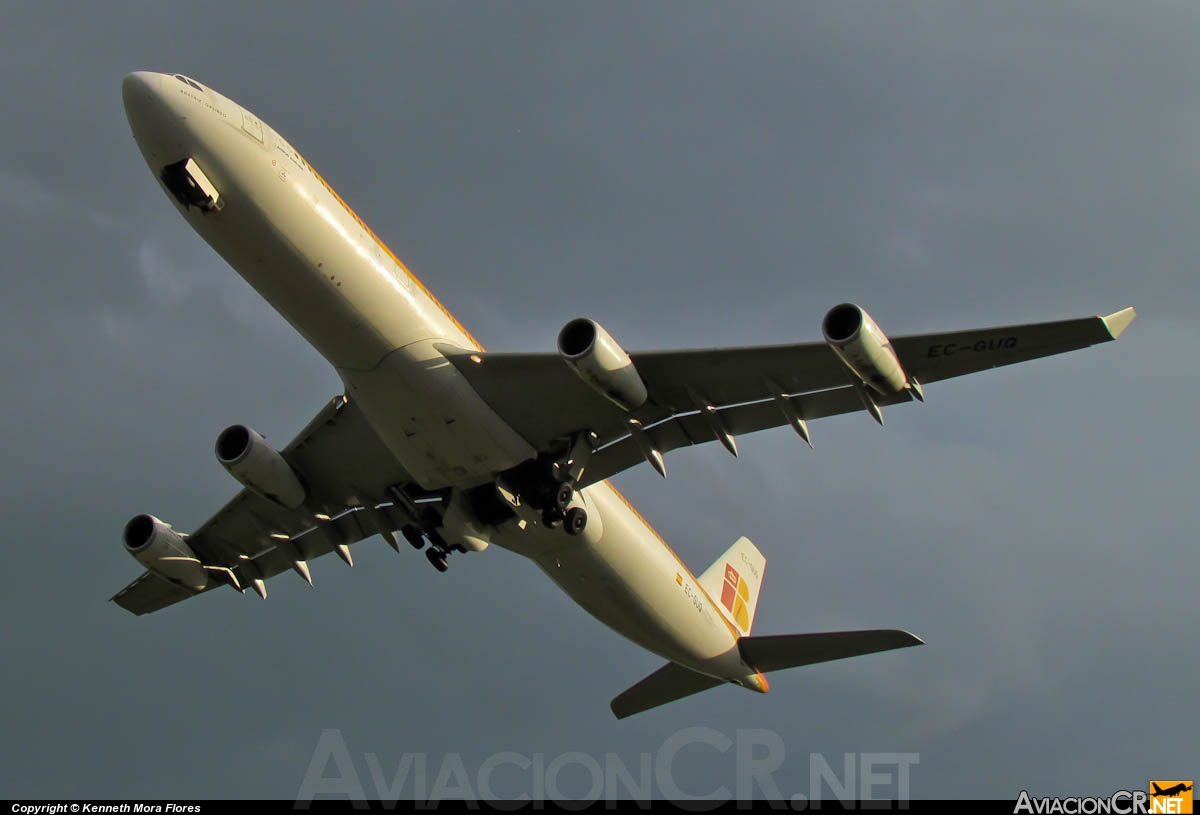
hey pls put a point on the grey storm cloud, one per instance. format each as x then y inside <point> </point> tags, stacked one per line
<point>689,174</point>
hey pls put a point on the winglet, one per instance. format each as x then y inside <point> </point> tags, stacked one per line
<point>1118,321</point>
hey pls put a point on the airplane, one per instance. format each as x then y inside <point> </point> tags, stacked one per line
<point>1170,792</point>
<point>457,448</point>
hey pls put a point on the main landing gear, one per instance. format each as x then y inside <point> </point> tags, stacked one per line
<point>416,535</point>
<point>547,485</point>
<point>438,549</point>
<point>573,520</point>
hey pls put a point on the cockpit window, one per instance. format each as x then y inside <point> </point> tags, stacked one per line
<point>187,81</point>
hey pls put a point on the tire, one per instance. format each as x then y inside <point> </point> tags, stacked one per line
<point>437,559</point>
<point>575,521</point>
<point>563,495</point>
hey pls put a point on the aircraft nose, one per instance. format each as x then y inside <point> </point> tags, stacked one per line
<point>141,93</point>
<point>139,86</point>
<point>147,107</point>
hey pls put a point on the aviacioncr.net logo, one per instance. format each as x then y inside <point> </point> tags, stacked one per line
<point>1163,798</point>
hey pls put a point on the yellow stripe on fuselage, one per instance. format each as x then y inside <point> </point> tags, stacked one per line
<point>399,263</point>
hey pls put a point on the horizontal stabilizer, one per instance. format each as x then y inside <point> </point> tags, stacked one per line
<point>774,653</point>
<point>763,654</point>
<point>667,684</point>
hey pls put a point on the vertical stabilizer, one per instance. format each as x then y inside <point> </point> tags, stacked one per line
<point>733,582</point>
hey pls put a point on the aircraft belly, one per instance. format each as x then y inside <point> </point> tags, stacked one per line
<point>432,420</point>
<point>628,579</point>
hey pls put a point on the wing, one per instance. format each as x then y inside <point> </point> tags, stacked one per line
<point>747,389</point>
<point>348,473</point>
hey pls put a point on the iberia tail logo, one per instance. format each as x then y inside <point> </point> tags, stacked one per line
<point>735,594</point>
<point>1173,797</point>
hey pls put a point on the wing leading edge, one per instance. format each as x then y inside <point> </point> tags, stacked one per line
<point>698,396</point>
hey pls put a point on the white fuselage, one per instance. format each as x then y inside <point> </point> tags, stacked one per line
<point>285,230</point>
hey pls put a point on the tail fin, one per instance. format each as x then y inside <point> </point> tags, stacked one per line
<point>734,581</point>
<point>763,654</point>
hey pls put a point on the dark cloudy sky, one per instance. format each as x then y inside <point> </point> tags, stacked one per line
<point>687,174</point>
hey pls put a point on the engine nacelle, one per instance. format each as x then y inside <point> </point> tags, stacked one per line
<point>255,463</point>
<point>594,355</point>
<point>864,348</point>
<point>161,550</point>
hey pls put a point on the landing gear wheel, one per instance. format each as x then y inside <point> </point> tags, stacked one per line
<point>563,495</point>
<point>413,536</point>
<point>551,518</point>
<point>437,559</point>
<point>575,521</point>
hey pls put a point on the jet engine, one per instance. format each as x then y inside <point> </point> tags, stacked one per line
<point>252,461</point>
<point>596,358</point>
<point>864,348</point>
<point>161,550</point>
